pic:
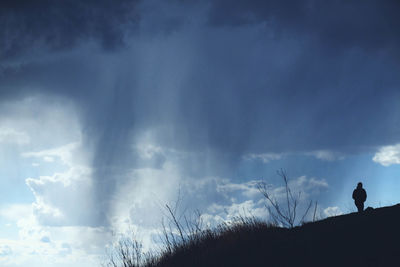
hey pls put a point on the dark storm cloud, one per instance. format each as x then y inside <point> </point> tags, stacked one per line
<point>344,79</point>
<point>219,78</point>
<point>366,24</point>
<point>61,24</point>
<point>246,88</point>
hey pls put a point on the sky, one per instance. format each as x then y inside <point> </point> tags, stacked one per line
<point>111,109</point>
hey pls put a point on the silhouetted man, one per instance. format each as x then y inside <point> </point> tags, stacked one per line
<point>359,196</point>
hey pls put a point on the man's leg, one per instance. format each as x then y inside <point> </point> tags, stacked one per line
<point>360,207</point>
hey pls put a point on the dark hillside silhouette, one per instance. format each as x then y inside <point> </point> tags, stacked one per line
<point>371,238</point>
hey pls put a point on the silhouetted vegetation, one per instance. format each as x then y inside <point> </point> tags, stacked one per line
<point>179,247</point>
<point>285,214</point>
<point>356,239</point>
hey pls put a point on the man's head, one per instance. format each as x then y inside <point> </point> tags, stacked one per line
<point>359,185</point>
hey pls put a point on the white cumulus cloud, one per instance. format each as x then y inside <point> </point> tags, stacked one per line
<point>264,157</point>
<point>388,155</point>
<point>63,198</point>
<point>332,211</point>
